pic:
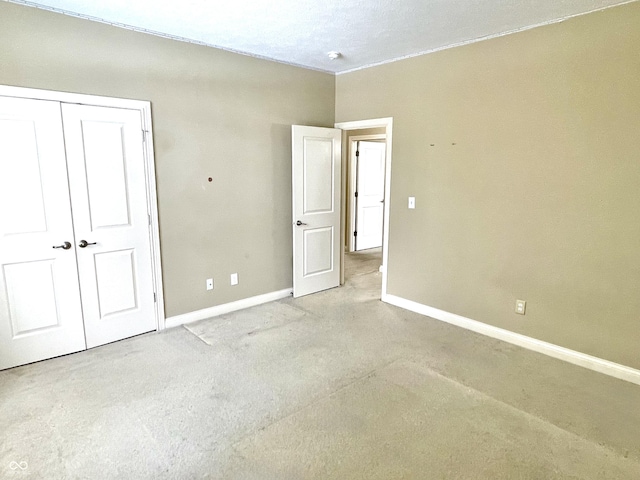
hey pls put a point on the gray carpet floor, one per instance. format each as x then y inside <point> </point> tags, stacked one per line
<point>335,385</point>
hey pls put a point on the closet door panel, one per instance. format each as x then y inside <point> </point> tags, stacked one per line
<point>40,310</point>
<point>109,198</point>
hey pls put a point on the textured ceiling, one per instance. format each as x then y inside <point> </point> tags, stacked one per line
<point>302,32</point>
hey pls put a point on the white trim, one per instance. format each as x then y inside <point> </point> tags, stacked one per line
<point>577,358</point>
<point>362,124</point>
<point>386,122</point>
<point>480,39</point>
<point>66,97</point>
<point>178,320</point>
<point>152,200</point>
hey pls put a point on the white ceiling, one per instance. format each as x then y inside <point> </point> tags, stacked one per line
<point>302,32</point>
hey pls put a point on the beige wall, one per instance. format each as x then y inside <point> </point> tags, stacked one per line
<point>531,189</point>
<point>216,114</point>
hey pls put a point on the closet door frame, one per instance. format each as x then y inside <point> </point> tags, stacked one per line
<point>150,171</point>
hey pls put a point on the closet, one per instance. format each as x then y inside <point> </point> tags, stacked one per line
<point>77,264</point>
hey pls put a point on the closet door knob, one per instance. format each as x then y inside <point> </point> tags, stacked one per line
<point>64,246</point>
<point>84,243</point>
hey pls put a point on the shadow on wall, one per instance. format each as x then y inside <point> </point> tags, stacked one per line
<point>281,191</point>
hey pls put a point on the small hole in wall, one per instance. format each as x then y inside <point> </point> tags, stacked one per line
<point>210,179</point>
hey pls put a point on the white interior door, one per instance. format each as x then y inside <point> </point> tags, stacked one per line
<point>108,193</point>
<point>40,311</point>
<point>316,208</point>
<point>370,194</point>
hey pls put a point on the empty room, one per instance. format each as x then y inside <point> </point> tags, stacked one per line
<point>308,240</point>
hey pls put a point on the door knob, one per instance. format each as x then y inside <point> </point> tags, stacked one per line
<point>64,246</point>
<point>298,223</point>
<point>84,243</point>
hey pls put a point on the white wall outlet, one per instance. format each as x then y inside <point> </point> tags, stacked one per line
<point>209,283</point>
<point>521,305</point>
<point>412,202</point>
<point>234,279</point>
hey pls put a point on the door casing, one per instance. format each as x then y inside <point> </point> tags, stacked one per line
<point>148,154</point>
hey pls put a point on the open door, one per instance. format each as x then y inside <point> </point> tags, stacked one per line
<point>316,174</point>
<point>369,194</point>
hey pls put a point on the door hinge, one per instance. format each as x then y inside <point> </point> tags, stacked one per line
<point>356,194</point>
<point>355,234</point>
<point>357,153</point>
<point>149,216</point>
<point>155,299</point>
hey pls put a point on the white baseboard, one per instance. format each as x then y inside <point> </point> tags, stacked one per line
<point>226,308</point>
<point>577,358</point>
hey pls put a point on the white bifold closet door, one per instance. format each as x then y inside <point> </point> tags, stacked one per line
<point>109,200</point>
<point>40,309</point>
<point>75,257</point>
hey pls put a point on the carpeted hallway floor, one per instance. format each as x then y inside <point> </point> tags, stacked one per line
<point>334,385</point>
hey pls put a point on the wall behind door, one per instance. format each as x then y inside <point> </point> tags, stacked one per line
<point>215,114</point>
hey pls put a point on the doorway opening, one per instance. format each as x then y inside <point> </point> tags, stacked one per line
<point>366,180</point>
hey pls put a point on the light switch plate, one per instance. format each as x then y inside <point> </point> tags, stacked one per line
<point>209,283</point>
<point>412,202</point>
<point>234,279</point>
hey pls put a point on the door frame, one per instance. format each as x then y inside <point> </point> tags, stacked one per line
<point>144,107</point>
<point>387,123</point>
<point>352,173</point>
